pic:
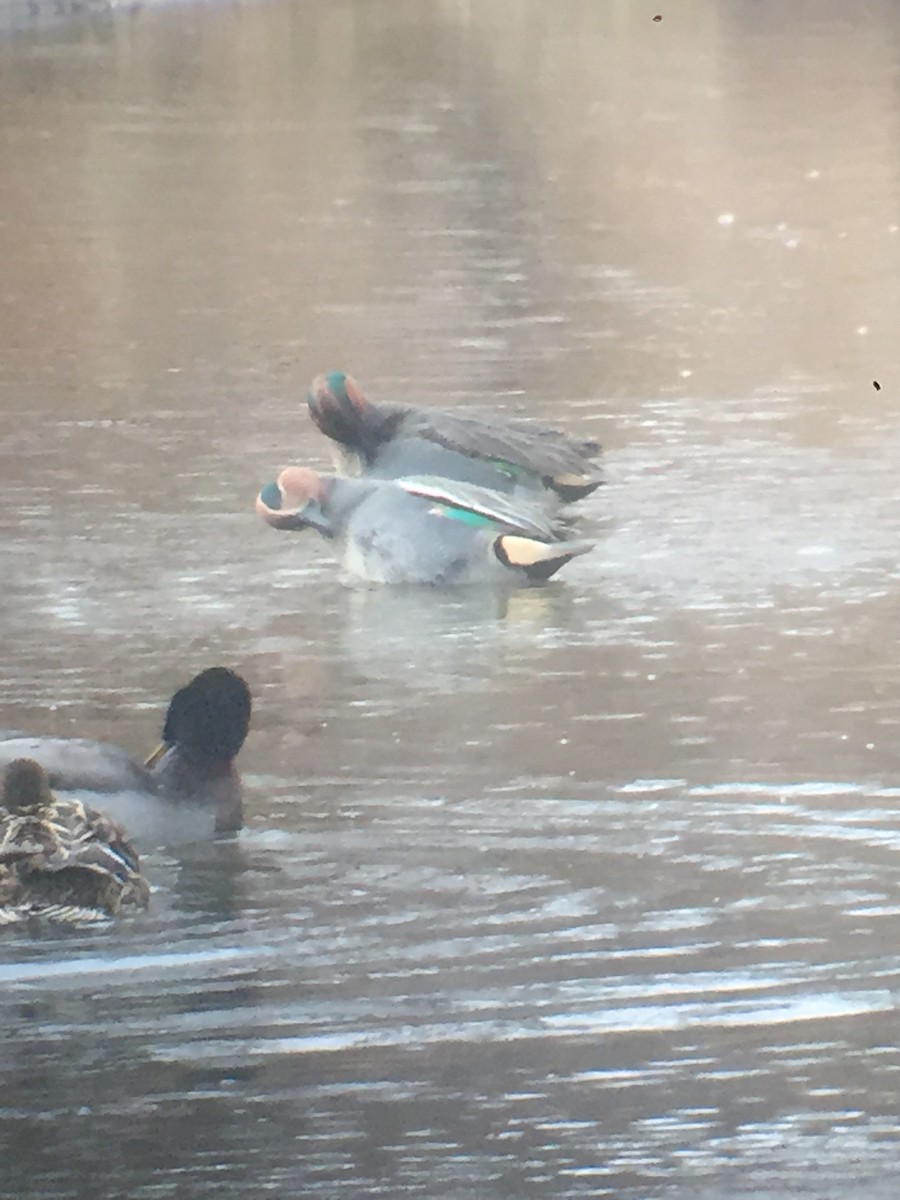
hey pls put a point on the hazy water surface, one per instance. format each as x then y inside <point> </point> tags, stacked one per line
<point>589,890</point>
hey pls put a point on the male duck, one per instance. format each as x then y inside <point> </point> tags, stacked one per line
<point>393,440</point>
<point>59,859</point>
<point>189,788</point>
<point>420,530</point>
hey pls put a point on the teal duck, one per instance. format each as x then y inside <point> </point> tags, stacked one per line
<point>187,789</point>
<point>393,440</point>
<point>420,530</point>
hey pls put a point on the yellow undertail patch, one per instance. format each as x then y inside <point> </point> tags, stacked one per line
<point>525,552</point>
<point>569,480</point>
<point>537,560</point>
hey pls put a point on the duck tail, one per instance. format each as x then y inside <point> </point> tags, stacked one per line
<point>571,487</point>
<point>534,559</point>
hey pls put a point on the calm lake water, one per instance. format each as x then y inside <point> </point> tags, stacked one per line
<point>584,891</point>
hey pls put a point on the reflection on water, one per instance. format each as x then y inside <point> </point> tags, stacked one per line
<point>582,891</point>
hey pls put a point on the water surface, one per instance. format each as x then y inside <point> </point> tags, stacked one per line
<point>588,890</point>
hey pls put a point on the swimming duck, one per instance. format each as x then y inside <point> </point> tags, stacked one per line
<point>393,440</point>
<point>420,529</point>
<point>188,788</point>
<point>59,859</point>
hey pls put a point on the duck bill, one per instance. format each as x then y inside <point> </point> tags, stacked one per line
<point>157,754</point>
<point>308,516</point>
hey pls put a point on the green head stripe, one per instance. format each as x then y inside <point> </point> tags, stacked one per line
<point>271,496</point>
<point>336,381</point>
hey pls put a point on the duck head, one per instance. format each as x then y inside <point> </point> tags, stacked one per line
<point>206,723</point>
<point>208,719</point>
<point>25,786</point>
<point>294,501</point>
<point>339,408</point>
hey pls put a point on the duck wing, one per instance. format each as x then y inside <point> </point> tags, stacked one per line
<point>513,514</point>
<point>532,447</point>
<point>404,456</point>
<point>80,764</point>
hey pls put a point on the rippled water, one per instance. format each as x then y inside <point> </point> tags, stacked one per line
<point>588,890</point>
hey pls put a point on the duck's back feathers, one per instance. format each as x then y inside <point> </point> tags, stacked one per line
<point>535,447</point>
<point>414,455</point>
<point>518,515</point>
<point>80,764</point>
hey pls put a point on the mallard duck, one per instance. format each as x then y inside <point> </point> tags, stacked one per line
<point>59,859</point>
<point>188,788</point>
<point>420,530</point>
<point>393,440</point>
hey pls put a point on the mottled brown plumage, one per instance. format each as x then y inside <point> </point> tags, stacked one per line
<point>59,859</point>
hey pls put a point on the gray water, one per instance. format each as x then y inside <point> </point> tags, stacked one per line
<point>588,890</point>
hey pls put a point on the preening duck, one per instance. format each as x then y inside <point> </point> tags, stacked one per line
<point>60,860</point>
<point>188,788</point>
<point>420,530</point>
<point>392,440</point>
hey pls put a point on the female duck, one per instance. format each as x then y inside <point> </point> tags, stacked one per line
<point>420,530</point>
<point>59,859</point>
<point>188,788</point>
<point>392,440</point>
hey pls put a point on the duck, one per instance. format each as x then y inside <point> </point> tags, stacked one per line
<point>389,440</point>
<point>187,789</point>
<point>60,860</point>
<point>420,530</point>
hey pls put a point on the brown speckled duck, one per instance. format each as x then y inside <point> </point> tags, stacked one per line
<point>60,860</point>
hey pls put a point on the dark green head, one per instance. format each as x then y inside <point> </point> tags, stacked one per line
<point>339,409</point>
<point>210,716</point>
